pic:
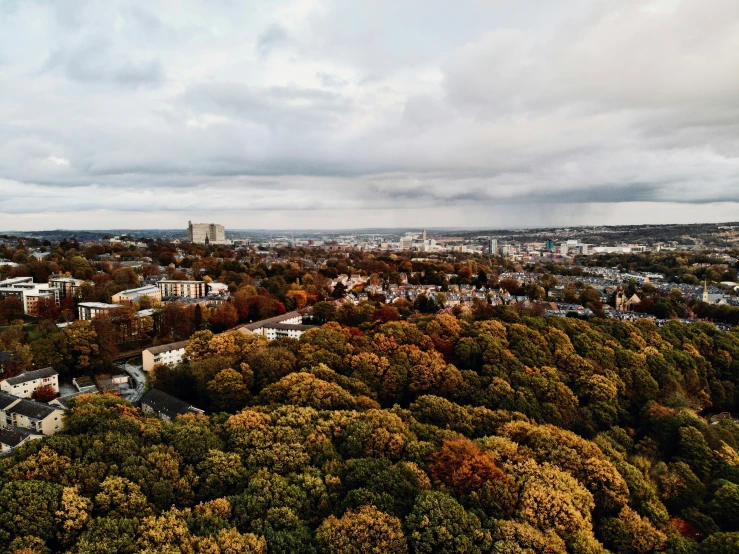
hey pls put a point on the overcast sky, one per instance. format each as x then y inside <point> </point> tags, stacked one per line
<point>356,113</point>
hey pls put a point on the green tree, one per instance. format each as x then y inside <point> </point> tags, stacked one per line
<point>439,524</point>
<point>228,391</point>
<point>29,509</point>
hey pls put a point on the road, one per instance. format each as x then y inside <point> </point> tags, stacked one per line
<point>133,367</point>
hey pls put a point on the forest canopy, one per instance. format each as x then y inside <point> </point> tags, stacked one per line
<point>438,434</point>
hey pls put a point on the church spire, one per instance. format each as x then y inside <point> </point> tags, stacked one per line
<point>705,290</point>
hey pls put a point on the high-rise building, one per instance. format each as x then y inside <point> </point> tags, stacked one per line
<point>206,233</point>
<point>493,247</point>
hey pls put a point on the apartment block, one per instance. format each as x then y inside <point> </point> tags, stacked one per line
<point>186,289</point>
<point>68,287</point>
<point>26,383</point>
<point>90,310</point>
<point>167,354</point>
<point>134,295</point>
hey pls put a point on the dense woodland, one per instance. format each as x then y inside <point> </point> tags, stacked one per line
<point>432,435</point>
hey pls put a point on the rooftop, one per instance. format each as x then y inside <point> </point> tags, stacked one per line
<point>269,322</point>
<point>139,290</point>
<point>33,409</point>
<point>99,305</point>
<point>31,375</point>
<point>290,326</point>
<point>13,436</point>
<point>166,404</point>
<point>168,347</point>
<point>6,399</point>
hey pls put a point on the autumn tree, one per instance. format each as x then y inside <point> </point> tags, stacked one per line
<point>362,531</point>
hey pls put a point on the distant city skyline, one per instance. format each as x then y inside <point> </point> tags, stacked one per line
<point>320,114</point>
<point>611,215</point>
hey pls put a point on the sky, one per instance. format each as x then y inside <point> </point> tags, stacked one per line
<point>338,114</point>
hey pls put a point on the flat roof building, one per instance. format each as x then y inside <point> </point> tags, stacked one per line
<point>206,233</point>
<point>185,289</point>
<point>134,295</point>
<point>68,287</point>
<point>91,310</point>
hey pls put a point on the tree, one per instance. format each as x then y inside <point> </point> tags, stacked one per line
<point>438,523</point>
<point>339,291</point>
<point>29,509</point>
<point>221,474</point>
<point>224,318</point>
<point>305,389</point>
<point>73,516</point>
<point>366,530</point>
<point>44,393</point>
<point>228,391</point>
<point>121,498</point>
<point>78,345</point>
<point>324,311</point>
<point>463,466</point>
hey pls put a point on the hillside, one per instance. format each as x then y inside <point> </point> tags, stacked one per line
<point>438,435</point>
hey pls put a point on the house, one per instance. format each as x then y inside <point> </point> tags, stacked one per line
<point>134,295</point>
<point>166,406</point>
<point>91,310</point>
<point>26,383</point>
<point>168,354</point>
<point>13,437</point>
<point>29,414</point>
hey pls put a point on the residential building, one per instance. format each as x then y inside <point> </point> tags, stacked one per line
<point>285,325</point>
<point>134,295</point>
<point>29,414</point>
<point>166,406</point>
<point>206,233</point>
<point>30,293</point>
<point>6,401</point>
<point>220,289</point>
<point>26,383</point>
<point>168,354</point>
<point>13,437</point>
<point>91,310</point>
<point>68,286</point>
<point>186,289</point>
<point>36,416</point>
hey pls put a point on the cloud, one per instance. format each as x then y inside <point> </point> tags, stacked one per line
<point>329,111</point>
<point>273,37</point>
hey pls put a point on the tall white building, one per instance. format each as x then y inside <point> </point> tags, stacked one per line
<point>206,233</point>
